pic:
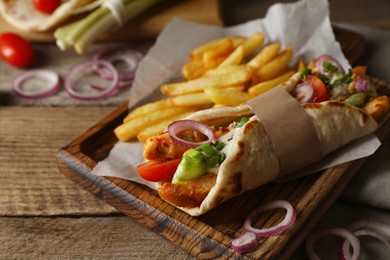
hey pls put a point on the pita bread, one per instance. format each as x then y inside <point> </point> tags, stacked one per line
<point>251,159</point>
<point>23,15</point>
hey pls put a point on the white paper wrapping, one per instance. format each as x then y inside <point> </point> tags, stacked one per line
<point>304,25</point>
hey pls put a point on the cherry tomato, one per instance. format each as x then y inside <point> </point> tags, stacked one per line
<point>320,91</point>
<point>46,6</point>
<point>158,170</point>
<point>15,50</point>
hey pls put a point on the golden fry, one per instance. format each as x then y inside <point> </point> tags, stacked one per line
<point>275,67</point>
<point>197,53</point>
<point>311,65</point>
<point>238,77</point>
<point>147,109</point>
<point>301,64</point>
<point>265,55</point>
<point>131,128</point>
<point>252,43</point>
<point>227,96</point>
<point>192,99</point>
<point>223,70</point>
<point>269,84</point>
<point>236,57</point>
<point>221,50</point>
<point>159,127</point>
<point>193,69</point>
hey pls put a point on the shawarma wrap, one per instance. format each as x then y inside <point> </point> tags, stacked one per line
<point>251,156</point>
<point>23,15</point>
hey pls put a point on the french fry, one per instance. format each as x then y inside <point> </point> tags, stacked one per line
<point>197,53</point>
<point>238,77</point>
<point>192,99</point>
<point>147,109</point>
<point>301,64</point>
<point>269,84</point>
<point>275,67</point>
<point>159,127</point>
<point>236,57</point>
<point>221,50</point>
<point>131,128</point>
<point>227,96</point>
<point>196,69</point>
<point>222,70</point>
<point>311,64</point>
<point>193,69</point>
<point>237,40</point>
<point>265,55</point>
<point>252,43</point>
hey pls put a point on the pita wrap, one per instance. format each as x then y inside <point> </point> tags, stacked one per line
<point>23,15</point>
<point>251,158</point>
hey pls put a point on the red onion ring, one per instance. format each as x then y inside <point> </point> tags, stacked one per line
<point>355,243</point>
<point>288,220</point>
<point>327,58</point>
<point>73,75</point>
<point>128,56</point>
<point>245,242</point>
<point>304,92</point>
<point>248,241</point>
<point>47,74</point>
<point>183,125</point>
<point>345,245</point>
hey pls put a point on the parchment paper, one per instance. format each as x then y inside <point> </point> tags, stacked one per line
<point>304,25</point>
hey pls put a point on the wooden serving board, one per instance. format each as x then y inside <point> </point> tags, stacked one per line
<point>148,25</point>
<point>210,235</point>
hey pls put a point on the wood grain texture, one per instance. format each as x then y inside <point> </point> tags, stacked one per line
<point>116,237</point>
<point>30,182</point>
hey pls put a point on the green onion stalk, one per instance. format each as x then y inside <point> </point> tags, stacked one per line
<point>81,34</point>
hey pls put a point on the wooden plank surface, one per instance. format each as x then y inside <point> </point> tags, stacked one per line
<point>148,25</point>
<point>40,237</point>
<point>30,182</point>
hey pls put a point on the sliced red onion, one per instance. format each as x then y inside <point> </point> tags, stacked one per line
<point>364,85</point>
<point>79,71</point>
<point>245,242</point>
<point>353,240</point>
<point>327,58</point>
<point>189,125</point>
<point>345,245</point>
<point>248,241</point>
<point>288,220</point>
<point>51,76</point>
<point>304,92</point>
<point>128,56</point>
<point>121,85</point>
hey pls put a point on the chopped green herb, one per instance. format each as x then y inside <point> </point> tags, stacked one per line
<point>324,79</point>
<point>242,122</point>
<point>306,71</point>
<point>329,66</point>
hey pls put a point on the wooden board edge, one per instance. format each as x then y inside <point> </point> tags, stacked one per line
<point>143,213</point>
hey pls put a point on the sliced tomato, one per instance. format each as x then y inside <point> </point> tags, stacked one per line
<point>158,170</point>
<point>46,6</point>
<point>320,91</point>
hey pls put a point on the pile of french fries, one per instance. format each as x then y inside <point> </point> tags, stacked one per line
<point>223,72</point>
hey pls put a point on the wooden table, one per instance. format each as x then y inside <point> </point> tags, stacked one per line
<point>44,215</point>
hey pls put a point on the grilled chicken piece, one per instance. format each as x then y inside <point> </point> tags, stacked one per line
<point>188,194</point>
<point>162,147</point>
